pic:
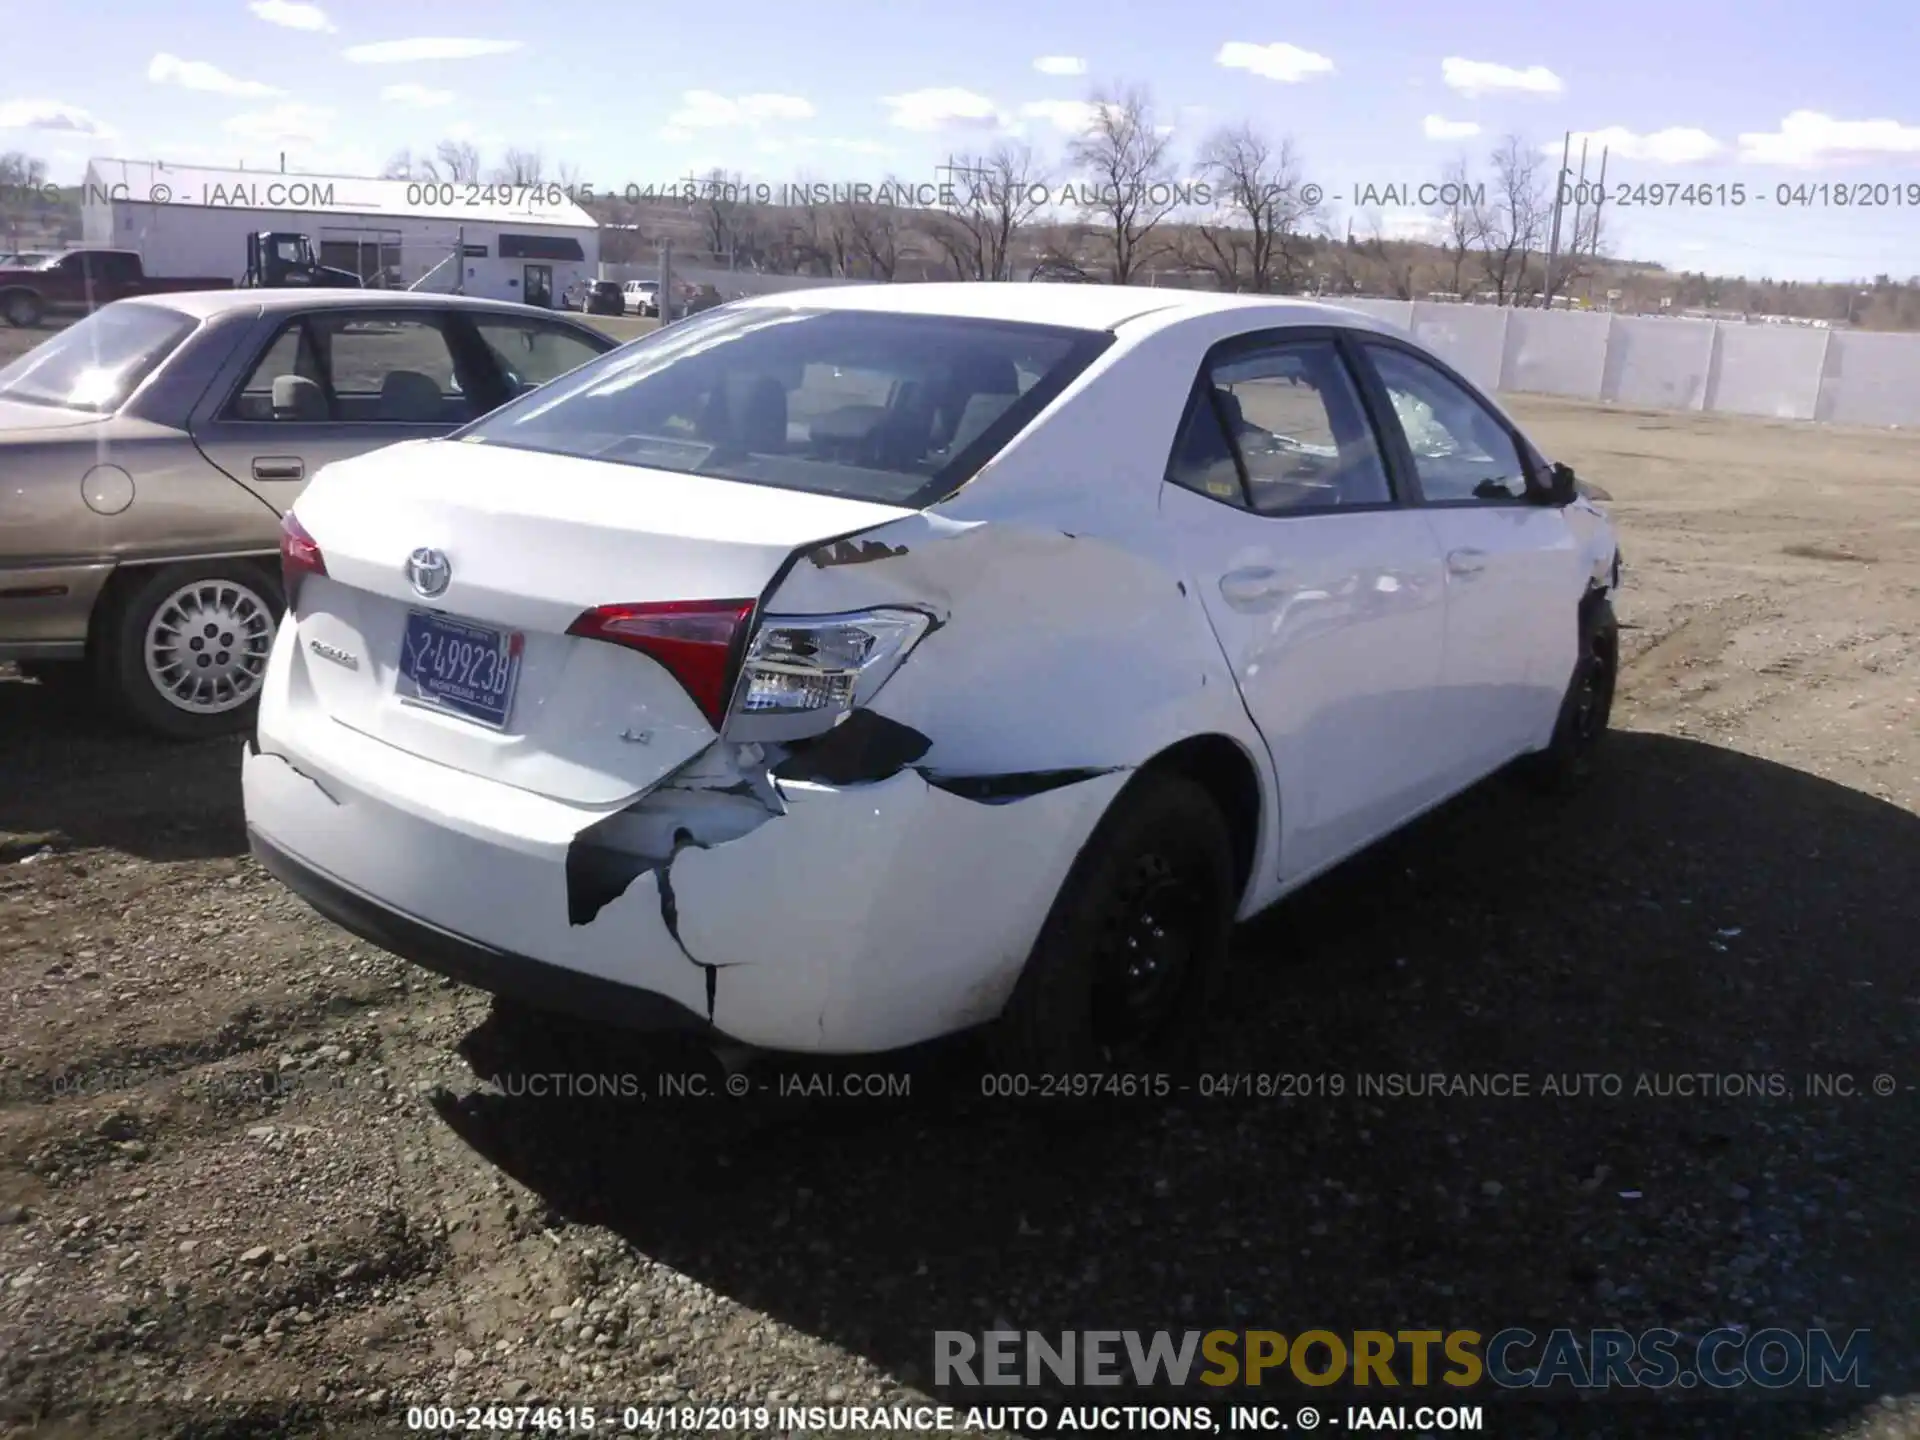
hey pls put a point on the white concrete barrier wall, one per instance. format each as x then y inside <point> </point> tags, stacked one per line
<point>1871,379</point>
<point>1767,370</point>
<point>1551,352</point>
<point>1470,338</point>
<point>1394,312</point>
<point>1661,363</point>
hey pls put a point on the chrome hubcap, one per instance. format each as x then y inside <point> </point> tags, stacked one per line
<point>207,646</point>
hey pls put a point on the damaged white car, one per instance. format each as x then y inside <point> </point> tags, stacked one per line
<point>838,670</point>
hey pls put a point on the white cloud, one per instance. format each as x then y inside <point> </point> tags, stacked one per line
<point>427,47</point>
<point>1069,117</point>
<point>705,110</point>
<point>1676,145</point>
<point>292,15</point>
<point>420,97</point>
<point>281,125</point>
<point>1806,137</point>
<point>1483,77</point>
<point>1287,63</point>
<point>166,69</point>
<point>51,115</point>
<point>1438,127</point>
<point>946,108</point>
<point>1060,65</point>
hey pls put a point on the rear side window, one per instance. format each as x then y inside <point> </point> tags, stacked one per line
<point>532,353</point>
<point>897,409</point>
<point>96,363</point>
<point>348,367</point>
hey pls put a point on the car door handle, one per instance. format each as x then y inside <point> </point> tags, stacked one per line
<point>278,467</point>
<point>1466,562</point>
<point>1249,586</point>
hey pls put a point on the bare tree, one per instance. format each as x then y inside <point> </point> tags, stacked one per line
<point>727,216</point>
<point>1125,164</point>
<point>21,169</point>
<point>1460,229</point>
<point>1257,239</point>
<point>985,211</point>
<point>520,167</point>
<point>873,230</point>
<point>819,238</point>
<point>1510,222</point>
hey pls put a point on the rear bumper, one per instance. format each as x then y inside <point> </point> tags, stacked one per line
<point>862,918</point>
<point>519,977</point>
<point>45,609</point>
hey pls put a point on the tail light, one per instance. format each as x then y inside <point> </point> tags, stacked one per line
<point>799,676</point>
<point>696,640</point>
<point>804,675</point>
<point>299,556</point>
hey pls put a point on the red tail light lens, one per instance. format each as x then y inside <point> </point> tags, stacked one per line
<point>699,642</point>
<point>299,556</point>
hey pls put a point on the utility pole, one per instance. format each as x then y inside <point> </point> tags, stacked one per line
<point>460,261</point>
<point>1553,242</point>
<point>666,281</point>
<point>1579,204</point>
<point>1599,200</point>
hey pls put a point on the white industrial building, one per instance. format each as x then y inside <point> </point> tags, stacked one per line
<point>523,243</point>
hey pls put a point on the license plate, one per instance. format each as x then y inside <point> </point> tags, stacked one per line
<point>457,666</point>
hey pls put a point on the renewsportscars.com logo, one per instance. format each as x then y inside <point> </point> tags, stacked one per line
<point>1512,1359</point>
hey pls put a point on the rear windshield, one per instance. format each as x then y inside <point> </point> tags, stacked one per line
<point>897,409</point>
<point>98,362</point>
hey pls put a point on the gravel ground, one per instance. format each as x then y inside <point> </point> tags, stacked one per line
<point>257,1178</point>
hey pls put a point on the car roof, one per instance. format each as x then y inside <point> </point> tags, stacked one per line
<point>206,304</point>
<point>1081,307</point>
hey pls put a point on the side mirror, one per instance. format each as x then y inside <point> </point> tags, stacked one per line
<point>1562,488</point>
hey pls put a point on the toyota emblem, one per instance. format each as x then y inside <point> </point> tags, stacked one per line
<point>429,572</point>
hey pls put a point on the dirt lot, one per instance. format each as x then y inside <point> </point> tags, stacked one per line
<point>259,1179</point>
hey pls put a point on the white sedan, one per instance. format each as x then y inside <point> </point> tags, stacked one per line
<point>842,669</point>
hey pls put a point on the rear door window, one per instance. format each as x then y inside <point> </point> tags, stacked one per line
<point>899,409</point>
<point>358,367</point>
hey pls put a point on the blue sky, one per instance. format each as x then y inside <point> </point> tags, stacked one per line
<point>1696,92</point>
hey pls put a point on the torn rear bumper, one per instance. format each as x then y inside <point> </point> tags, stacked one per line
<point>866,917</point>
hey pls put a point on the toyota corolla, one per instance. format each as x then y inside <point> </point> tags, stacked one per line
<point>838,670</point>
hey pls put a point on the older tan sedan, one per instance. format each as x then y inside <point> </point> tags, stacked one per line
<point>148,452</point>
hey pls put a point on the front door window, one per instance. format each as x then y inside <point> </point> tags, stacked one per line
<point>537,289</point>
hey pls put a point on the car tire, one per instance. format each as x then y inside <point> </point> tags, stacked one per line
<point>1571,758</point>
<point>151,623</point>
<point>1154,888</point>
<point>22,308</point>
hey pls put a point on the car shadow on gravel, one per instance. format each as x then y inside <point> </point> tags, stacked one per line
<point>1702,914</point>
<point>72,776</point>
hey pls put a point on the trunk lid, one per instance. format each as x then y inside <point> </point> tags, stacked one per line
<point>532,541</point>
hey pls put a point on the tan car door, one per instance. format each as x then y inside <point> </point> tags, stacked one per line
<point>334,383</point>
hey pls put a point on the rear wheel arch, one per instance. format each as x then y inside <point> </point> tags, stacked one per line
<point>1222,767</point>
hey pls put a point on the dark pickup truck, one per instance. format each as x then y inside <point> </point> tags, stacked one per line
<point>77,281</point>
